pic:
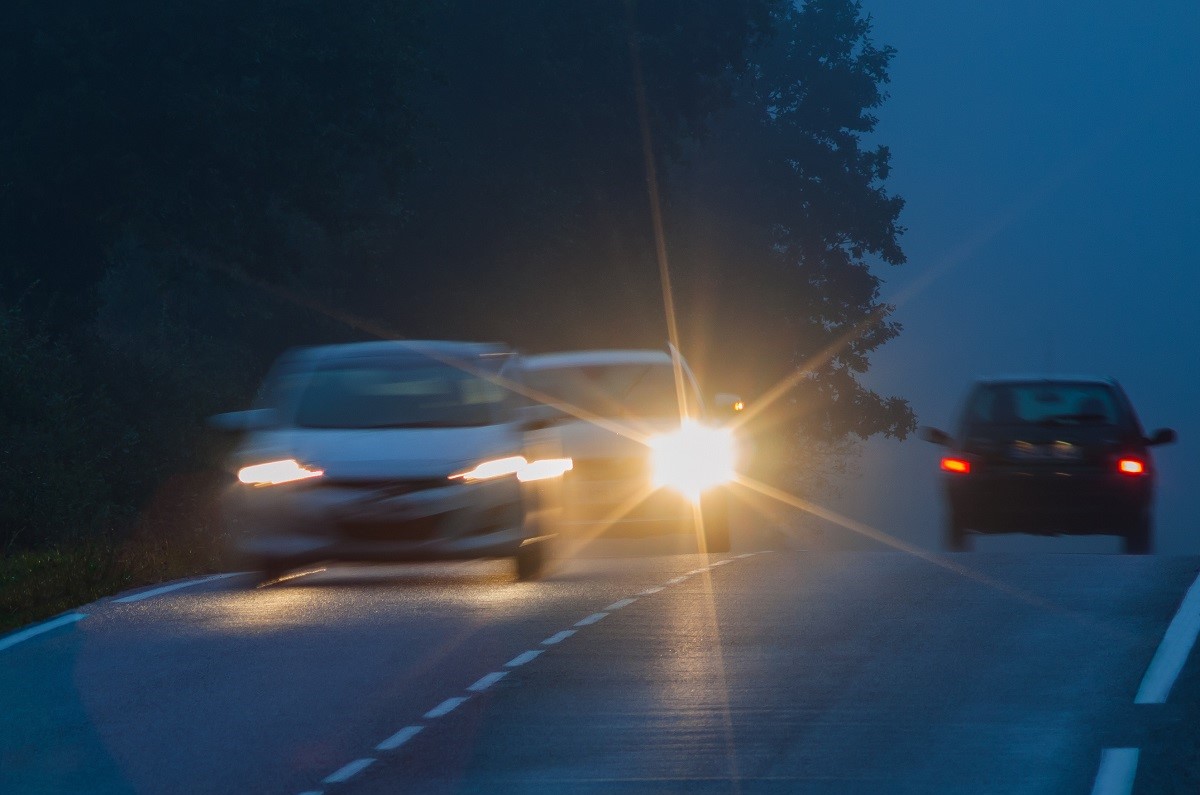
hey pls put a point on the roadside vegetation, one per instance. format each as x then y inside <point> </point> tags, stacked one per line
<point>189,189</point>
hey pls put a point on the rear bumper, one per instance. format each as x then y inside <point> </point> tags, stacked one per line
<point>1048,503</point>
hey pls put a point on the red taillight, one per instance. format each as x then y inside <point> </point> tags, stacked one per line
<point>956,465</point>
<point>1131,466</point>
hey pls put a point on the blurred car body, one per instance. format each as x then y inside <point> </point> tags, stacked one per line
<point>380,451</point>
<point>646,461</point>
<point>1049,456</point>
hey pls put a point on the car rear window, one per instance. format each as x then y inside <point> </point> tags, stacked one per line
<point>1044,403</point>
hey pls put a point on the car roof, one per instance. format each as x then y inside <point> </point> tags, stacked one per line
<point>593,358</point>
<point>449,349</point>
<point>1047,378</point>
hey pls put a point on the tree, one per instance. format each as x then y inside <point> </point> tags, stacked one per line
<point>780,215</point>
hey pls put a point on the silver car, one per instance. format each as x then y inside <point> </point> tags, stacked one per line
<point>383,451</point>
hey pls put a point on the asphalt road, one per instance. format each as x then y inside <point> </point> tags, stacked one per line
<point>805,668</point>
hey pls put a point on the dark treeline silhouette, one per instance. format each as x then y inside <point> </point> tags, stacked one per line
<point>187,188</point>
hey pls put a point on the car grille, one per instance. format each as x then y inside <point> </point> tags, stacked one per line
<point>386,488</point>
<point>421,529</point>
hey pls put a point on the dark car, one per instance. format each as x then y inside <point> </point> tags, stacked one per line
<point>1049,456</point>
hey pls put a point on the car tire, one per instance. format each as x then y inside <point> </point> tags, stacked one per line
<point>531,560</point>
<point>956,539</point>
<point>715,516</point>
<point>1138,539</point>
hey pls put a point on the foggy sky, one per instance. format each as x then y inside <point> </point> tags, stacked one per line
<point>1049,155</point>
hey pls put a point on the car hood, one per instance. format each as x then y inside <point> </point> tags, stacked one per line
<point>583,440</point>
<point>383,453</point>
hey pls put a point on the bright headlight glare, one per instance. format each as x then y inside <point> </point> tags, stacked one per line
<point>496,468</point>
<point>693,459</point>
<point>272,473</point>
<point>545,469</point>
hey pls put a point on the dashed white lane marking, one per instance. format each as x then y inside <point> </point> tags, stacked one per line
<point>312,792</point>
<point>348,771</point>
<point>449,705</point>
<point>592,619</point>
<point>446,707</point>
<point>1173,651</point>
<point>1118,769</point>
<point>487,681</point>
<point>25,634</point>
<point>525,656</point>
<point>137,597</point>
<point>399,738</point>
<point>698,571</point>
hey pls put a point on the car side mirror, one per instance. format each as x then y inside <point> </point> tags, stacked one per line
<point>936,435</point>
<point>243,421</point>
<point>1161,436</point>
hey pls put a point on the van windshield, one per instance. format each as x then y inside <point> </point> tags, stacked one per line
<point>614,391</point>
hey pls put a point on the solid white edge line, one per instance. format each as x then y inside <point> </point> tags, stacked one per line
<point>558,637</point>
<point>677,580</point>
<point>617,605</point>
<point>347,772</point>
<point>592,619</point>
<point>137,597</point>
<point>487,681</point>
<point>1118,769</point>
<point>399,738</point>
<point>1172,651</point>
<point>446,707</point>
<point>9,641</point>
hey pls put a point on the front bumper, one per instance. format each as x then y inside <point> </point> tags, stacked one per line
<point>376,521</point>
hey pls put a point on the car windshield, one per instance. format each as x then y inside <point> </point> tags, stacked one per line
<point>630,391</point>
<point>368,394</point>
<point>1043,403</point>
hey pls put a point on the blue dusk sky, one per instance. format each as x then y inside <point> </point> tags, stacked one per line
<point>1049,155</point>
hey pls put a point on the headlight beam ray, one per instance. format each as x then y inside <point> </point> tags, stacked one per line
<point>867,531</point>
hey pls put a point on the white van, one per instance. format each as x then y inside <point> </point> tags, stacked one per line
<point>647,456</point>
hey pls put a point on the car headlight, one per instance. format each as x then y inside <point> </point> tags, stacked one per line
<point>545,469</point>
<point>693,459</point>
<point>272,473</point>
<point>525,471</point>
<point>496,468</point>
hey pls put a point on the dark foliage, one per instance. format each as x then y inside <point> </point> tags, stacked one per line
<point>190,187</point>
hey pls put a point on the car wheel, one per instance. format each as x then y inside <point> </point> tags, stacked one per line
<point>956,539</point>
<point>1138,536</point>
<point>715,516</point>
<point>531,560</point>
